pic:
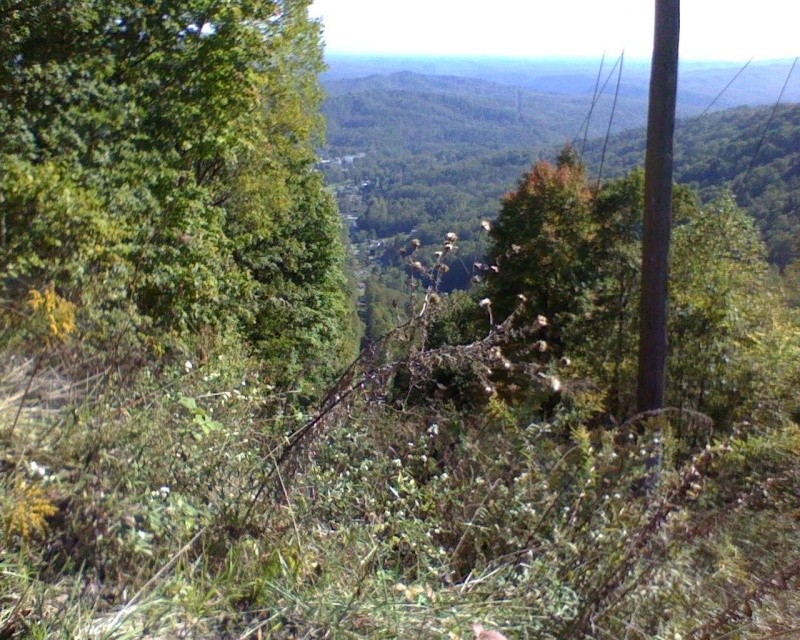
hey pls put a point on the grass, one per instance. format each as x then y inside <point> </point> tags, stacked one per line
<point>179,514</point>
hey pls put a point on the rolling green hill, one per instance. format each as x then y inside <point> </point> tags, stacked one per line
<point>434,153</point>
<point>440,151</point>
<point>411,113</point>
<point>725,150</point>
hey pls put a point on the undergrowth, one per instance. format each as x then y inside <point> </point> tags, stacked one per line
<point>432,486</point>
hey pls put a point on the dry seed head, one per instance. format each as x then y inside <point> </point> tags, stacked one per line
<point>553,382</point>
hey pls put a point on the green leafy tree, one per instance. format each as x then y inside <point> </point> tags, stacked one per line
<point>543,240</point>
<point>578,259</point>
<point>163,155</point>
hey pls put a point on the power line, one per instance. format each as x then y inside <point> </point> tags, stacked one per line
<point>719,95</point>
<point>611,119</point>
<point>597,99</point>
<point>698,119</point>
<point>769,120</point>
<point>594,102</point>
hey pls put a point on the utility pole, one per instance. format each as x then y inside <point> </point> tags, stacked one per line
<point>658,207</point>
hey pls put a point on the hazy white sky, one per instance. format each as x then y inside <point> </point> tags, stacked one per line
<point>711,29</point>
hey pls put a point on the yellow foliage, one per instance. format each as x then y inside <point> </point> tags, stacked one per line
<point>57,313</point>
<point>500,412</point>
<point>25,511</point>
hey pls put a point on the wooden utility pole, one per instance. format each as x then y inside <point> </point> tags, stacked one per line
<point>658,207</point>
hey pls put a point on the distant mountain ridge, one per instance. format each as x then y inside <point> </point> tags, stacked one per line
<point>408,112</point>
<point>760,83</point>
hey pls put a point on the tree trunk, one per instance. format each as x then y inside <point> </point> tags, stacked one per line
<point>658,207</point>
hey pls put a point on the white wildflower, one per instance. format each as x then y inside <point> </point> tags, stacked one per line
<point>37,469</point>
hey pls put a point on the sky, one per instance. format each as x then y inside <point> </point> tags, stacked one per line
<point>710,29</point>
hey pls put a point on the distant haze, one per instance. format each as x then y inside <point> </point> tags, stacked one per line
<point>700,84</point>
<point>711,29</point>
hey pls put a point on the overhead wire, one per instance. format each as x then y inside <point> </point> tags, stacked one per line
<point>727,86</point>
<point>594,102</point>
<point>599,96</point>
<point>698,119</point>
<point>769,120</point>
<point>611,119</point>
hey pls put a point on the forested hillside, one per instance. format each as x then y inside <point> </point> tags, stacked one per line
<point>436,153</point>
<point>445,116</point>
<point>408,120</point>
<point>193,446</point>
<point>436,150</point>
<point>749,151</point>
<point>432,152</point>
